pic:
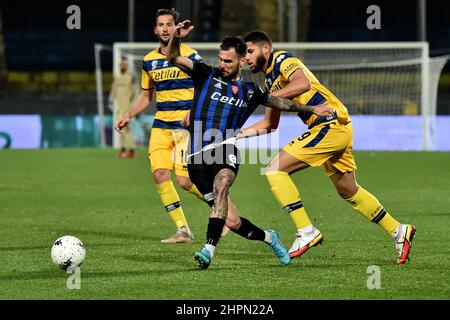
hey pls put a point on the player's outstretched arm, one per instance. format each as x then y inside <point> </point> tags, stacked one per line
<point>267,125</point>
<point>282,104</point>
<point>174,56</point>
<point>271,119</point>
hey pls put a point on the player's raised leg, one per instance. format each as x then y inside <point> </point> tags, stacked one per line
<point>289,199</point>
<point>369,206</point>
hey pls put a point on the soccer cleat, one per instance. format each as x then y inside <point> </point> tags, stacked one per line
<point>303,242</point>
<point>278,249</point>
<point>181,236</point>
<point>122,154</point>
<point>203,258</point>
<point>131,154</point>
<point>404,245</point>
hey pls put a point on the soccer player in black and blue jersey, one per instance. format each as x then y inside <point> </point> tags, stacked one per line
<point>222,103</point>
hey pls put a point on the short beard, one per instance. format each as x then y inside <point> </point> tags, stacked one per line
<point>260,61</point>
<point>164,42</point>
<point>229,77</point>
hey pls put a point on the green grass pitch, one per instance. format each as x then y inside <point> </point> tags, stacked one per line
<point>112,206</point>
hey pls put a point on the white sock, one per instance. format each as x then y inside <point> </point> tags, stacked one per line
<point>306,230</point>
<point>210,248</point>
<point>268,237</point>
<point>398,232</point>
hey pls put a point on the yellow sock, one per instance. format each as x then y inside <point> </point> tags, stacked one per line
<point>369,206</point>
<point>288,197</point>
<point>196,193</point>
<point>171,200</point>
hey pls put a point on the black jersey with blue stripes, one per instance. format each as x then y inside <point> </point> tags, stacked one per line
<point>220,107</point>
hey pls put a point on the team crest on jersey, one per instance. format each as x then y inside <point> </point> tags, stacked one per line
<point>235,89</point>
<point>154,64</point>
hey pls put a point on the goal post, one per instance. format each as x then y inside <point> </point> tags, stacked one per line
<point>370,78</point>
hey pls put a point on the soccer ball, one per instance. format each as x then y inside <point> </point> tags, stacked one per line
<point>68,251</point>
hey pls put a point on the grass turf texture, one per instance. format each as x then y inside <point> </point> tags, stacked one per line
<point>112,206</point>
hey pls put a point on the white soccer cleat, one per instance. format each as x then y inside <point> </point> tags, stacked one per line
<point>183,235</point>
<point>304,241</point>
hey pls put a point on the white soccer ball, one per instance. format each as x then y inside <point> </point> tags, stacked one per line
<point>68,251</point>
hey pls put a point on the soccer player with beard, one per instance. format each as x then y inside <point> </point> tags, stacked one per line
<point>168,138</point>
<point>328,142</point>
<point>223,101</point>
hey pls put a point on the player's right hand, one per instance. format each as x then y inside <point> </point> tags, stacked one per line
<point>182,29</point>
<point>122,123</point>
<point>323,110</point>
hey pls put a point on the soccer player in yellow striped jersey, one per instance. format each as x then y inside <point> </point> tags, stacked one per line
<point>174,92</point>
<point>328,143</point>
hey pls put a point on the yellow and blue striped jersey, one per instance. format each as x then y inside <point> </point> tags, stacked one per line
<point>282,65</point>
<point>173,88</point>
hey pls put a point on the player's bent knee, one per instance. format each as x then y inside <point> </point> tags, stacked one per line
<point>220,192</point>
<point>221,187</point>
<point>161,175</point>
<point>346,192</point>
<point>233,224</point>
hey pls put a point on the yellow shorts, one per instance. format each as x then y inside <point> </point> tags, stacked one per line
<point>328,144</point>
<point>167,149</point>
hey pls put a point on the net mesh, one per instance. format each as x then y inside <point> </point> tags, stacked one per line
<point>369,81</point>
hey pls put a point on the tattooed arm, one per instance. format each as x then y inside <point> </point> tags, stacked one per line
<point>283,104</point>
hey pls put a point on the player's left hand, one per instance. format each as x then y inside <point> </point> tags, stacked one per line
<point>185,122</point>
<point>323,110</point>
<point>182,29</point>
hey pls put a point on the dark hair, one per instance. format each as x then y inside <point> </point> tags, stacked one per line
<point>258,36</point>
<point>234,42</point>
<point>167,12</point>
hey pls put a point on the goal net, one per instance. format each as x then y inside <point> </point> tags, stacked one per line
<point>375,80</point>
